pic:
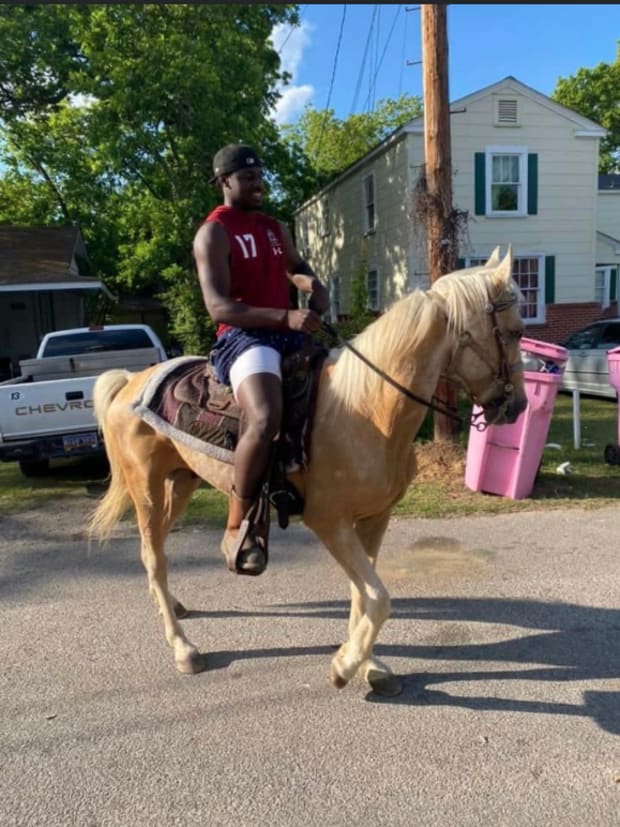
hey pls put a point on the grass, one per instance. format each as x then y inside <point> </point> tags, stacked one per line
<point>591,484</point>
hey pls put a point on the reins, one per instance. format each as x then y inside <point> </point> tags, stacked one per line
<point>438,405</point>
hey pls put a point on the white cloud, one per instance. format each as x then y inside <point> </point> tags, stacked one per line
<point>291,43</point>
<point>292,103</point>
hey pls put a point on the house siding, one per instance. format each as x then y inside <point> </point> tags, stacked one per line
<point>560,223</point>
<point>346,251</point>
<point>564,225</point>
<point>608,222</point>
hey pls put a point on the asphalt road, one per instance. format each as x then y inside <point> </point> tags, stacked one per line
<point>505,630</point>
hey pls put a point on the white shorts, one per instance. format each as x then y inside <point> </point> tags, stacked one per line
<point>261,359</point>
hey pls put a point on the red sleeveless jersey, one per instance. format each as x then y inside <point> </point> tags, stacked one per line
<point>257,261</point>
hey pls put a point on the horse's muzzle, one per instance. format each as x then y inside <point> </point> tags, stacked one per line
<point>504,410</point>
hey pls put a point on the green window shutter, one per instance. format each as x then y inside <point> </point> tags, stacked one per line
<point>480,183</point>
<point>613,286</point>
<point>549,279</point>
<point>532,184</point>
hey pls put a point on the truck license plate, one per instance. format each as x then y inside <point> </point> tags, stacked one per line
<point>80,442</point>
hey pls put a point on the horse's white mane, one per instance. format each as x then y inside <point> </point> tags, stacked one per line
<point>457,295</point>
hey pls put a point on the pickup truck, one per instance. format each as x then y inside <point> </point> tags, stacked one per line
<point>47,411</point>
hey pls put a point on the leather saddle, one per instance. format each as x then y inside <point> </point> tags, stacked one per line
<point>191,400</point>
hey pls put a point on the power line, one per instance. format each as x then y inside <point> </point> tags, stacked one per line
<point>291,30</point>
<point>364,58</point>
<point>387,43</point>
<point>372,87</point>
<point>331,85</point>
<point>402,57</point>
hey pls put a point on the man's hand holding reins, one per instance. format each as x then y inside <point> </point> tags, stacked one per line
<point>305,321</point>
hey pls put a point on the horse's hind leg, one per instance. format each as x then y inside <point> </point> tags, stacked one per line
<point>180,486</point>
<point>155,513</point>
<point>380,677</point>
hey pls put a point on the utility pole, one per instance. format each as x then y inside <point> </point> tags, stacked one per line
<point>440,230</point>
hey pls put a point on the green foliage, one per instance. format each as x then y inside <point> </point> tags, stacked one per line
<point>110,115</point>
<point>595,93</point>
<point>37,56</point>
<point>332,145</point>
<point>182,296</point>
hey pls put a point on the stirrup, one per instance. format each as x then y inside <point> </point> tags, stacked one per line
<point>248,552</point>
<point>243,553</point>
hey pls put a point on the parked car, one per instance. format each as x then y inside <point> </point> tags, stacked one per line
<point>586,369</point>
<point>47,411</point>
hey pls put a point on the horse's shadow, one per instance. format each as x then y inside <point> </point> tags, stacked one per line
<point>572,643</point>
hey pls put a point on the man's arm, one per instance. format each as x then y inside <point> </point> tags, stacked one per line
<point>303,276</point>
<point>211,253</point>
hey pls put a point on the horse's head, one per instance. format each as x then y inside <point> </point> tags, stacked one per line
<point>486,359</point>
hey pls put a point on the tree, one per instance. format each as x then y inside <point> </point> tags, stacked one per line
<point>331,145</point>
<point>595,93</point>
<point>110,115</point>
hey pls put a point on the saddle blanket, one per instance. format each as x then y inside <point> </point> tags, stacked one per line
<point>183,400</point>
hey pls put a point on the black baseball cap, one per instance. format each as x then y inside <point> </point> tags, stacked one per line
<point>232,158</point>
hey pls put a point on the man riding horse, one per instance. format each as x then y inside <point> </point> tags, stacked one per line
<point>245,260</point>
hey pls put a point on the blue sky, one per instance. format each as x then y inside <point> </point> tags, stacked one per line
<point>536,43</point>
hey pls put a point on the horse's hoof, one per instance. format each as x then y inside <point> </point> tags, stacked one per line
<point>180,611</point>
<point>384,683</point>
<point>336,678</point>
<point>192,664</point>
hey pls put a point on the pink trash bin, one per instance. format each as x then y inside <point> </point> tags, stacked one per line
<point>612,452</point>
<point>504,459</point>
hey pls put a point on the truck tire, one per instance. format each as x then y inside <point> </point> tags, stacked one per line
<point>34,467</point>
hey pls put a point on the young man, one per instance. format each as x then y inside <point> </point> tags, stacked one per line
<point>245,260</point>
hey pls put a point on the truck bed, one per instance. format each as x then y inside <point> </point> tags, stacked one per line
<point>87,364</point>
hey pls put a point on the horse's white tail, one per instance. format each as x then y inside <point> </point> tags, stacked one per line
<point>107,385</point>
<point>116,500</point>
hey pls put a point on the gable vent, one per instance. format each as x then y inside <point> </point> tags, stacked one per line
<point>507,112</point>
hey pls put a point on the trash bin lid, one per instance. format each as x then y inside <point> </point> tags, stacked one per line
<point>553,353</point>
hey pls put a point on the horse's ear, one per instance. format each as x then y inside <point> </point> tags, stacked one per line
<point>504,269</point>
<point>493,258</point>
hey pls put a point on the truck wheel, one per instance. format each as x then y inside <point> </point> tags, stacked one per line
<point>34,467</point>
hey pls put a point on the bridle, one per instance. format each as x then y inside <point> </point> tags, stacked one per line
<point>503,377</point>
<point>506,368</point>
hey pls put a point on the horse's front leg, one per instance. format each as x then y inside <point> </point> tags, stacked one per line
<point>155,513</point>
<point>373,607</point>
<point>378,674</point>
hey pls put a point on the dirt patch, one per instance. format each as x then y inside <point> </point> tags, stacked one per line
<point>440,461</point>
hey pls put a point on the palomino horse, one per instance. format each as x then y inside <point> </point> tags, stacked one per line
<point>466,327</point>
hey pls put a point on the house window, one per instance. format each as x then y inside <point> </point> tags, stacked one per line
<point>368,184</point>
<point>506,175</point>
<point>372,289</point>
<point>603,286</point>
<point>529,274</point>
<point>334,298</point>
<point>324,218</point>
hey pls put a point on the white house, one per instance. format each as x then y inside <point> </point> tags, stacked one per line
<point>526,171</point>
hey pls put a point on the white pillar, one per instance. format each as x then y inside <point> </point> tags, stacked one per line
<point>576,420</point>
